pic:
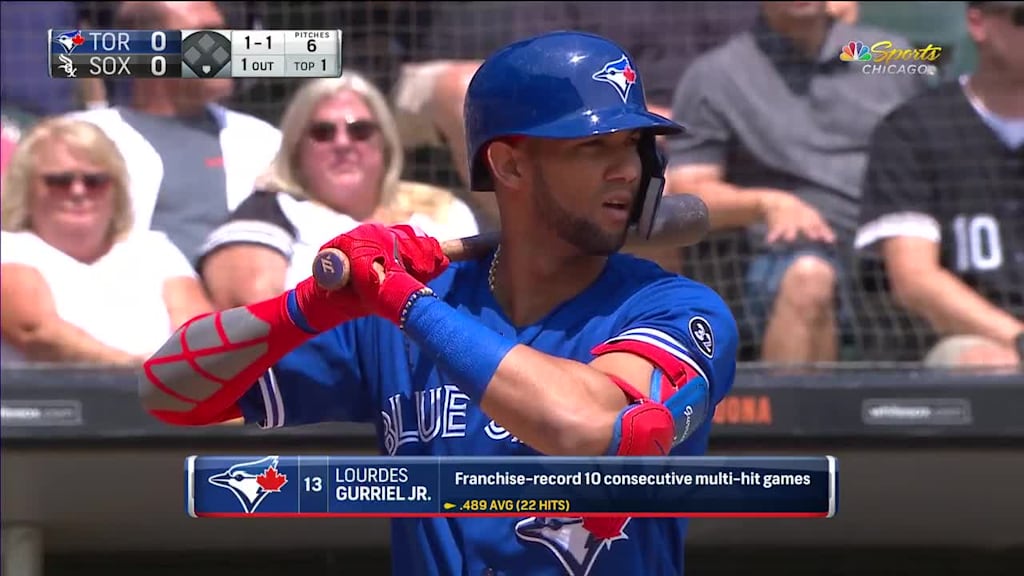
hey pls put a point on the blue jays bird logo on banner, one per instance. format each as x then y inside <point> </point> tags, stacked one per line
<point>620,74</point>
<point>251,482</point>
<point>70,40</point>
<point>574,546</point>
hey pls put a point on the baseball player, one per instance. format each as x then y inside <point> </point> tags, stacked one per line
<point>555,344</point>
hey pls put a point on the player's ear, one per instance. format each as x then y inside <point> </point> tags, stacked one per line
<point>506,163</point>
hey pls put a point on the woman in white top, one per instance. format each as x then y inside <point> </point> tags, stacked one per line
<point>77,284</point>
<point>340,163</point>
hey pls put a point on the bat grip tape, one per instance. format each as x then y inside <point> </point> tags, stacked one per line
<point>464,349</point>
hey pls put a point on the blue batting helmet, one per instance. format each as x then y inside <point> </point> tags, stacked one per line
<point>563,84</point>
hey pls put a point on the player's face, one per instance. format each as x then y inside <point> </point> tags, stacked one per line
<point>342,155</point>
<point>584,189</point>
<point>71,193</point>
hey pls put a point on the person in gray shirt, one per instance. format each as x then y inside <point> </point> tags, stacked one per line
<point>192,160</point>
<point>778,132</point>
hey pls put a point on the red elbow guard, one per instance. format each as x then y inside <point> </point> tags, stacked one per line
<point>644,427</point>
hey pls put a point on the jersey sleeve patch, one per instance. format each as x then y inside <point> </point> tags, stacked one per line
<point>703,336</point>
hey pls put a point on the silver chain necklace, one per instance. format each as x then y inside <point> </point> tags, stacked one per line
<point>493,269</point>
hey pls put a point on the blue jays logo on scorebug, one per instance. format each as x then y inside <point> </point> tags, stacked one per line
<point>574,546</point>
<point>251,482</point>
<point>70,40</point>
<point>620,74</point>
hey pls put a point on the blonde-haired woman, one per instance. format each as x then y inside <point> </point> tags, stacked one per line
<point>340,163</point>
<point>77,284</point>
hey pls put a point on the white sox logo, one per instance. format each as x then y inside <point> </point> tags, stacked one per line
<point>572,544</point>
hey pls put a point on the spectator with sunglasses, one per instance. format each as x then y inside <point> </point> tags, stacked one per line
<point>78,285</point>
<point>340,164</point>
<point>191,158</point>
<point>944,200</point>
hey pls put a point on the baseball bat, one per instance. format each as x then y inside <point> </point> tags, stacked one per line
<point>682,220</point>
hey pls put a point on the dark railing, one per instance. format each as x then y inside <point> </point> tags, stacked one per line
<point>899,401</point>
<point>926,459</point>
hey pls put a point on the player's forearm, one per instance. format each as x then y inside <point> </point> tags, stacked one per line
<point>209,363</point>
<point>952,307</point>
<point>555,406</point>
<point>59,341</point>
<point>551,404</point>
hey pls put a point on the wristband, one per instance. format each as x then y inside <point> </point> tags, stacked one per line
<point>461,346</point>
<point>295,314</point>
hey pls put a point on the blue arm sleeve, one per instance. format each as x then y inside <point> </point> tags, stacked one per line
<point>321,381</point>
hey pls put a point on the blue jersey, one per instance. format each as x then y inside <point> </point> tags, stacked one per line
<point>368,371</point>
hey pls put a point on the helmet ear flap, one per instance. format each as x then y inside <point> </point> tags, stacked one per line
<point>652,185</point>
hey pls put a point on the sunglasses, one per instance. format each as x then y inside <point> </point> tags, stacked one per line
<point>358,130</point>
<point>65,180</point>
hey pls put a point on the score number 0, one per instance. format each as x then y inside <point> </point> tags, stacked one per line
<point>158,64</point>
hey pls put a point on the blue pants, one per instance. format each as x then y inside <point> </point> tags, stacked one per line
<point>764,278</point>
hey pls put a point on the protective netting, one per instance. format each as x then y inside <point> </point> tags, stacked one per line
<point>664,37</point>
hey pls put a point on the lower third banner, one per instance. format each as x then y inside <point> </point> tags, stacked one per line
<point>309,486</point>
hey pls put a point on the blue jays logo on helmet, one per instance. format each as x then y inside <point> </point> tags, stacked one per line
<point>619,74</point>
<point>562,84</point>
<point>574,546</point>
<point>251,482</point>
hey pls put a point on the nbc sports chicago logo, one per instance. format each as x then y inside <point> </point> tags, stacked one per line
<point>883,58</point>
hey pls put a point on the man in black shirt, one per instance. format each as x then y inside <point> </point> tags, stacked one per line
<point>944,199</point>
<point>777,137</point>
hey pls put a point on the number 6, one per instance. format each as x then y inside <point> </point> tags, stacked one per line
<point>311,45</point>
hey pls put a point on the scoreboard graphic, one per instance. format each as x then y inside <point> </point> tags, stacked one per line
<point>195,53</point>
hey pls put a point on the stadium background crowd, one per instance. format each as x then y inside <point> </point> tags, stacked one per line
<point>783,147</point>
<point>219,192</point>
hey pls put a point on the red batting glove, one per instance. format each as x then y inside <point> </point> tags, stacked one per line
<point>420,254</point>
<point>325,309</point>
<point>409,261</point>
